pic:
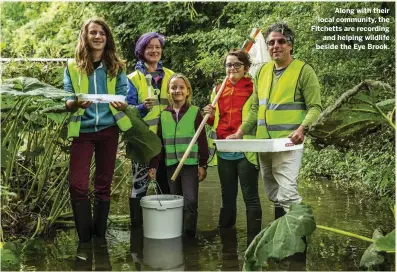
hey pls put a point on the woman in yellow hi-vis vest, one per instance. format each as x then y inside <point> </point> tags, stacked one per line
<point>231,110</point>
<point>94,127</point>
<point>147,89</point>
<point>178,125</point>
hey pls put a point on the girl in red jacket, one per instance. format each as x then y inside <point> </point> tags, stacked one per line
<point>232,107</point>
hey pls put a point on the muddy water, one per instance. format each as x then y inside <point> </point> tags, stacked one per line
<point>215,250</point>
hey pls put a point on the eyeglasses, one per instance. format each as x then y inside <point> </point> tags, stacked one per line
<point>273,42</point>
<point>236,65</point>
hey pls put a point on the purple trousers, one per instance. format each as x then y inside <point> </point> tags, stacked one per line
<point>104,144</point>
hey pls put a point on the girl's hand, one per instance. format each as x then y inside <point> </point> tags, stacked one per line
<point>209,109</point>
<point>202,173</point>
<point>83,104</point>
<point>152,173</point>
<point>120,106</point>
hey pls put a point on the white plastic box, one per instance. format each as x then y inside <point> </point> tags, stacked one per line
<point>256,145</point>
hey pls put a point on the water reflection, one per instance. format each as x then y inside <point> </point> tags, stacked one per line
<point>229,249</point>
<point>156,254</point>
<point>163,254</point>
<point>93,256</point>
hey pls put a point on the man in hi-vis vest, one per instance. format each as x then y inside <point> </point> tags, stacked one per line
<point>286,100</point>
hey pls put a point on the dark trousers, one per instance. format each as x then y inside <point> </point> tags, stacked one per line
<point>104,144</point>
<point>230,171</point>
<point>186,185</point>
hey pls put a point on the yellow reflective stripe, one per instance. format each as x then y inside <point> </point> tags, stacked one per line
<point>182,140</point>
<point>119,115</point>
<point>287,106</point>
<point>282,127</point>
<point>152,122</point>
<point>261,122</point>
<point>213,135</point>
<point>179,155</point>
<point>263,101</point>
<point>164,102</point>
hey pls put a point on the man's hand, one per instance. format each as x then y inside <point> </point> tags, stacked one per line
<point>120,106</point>
<point>238,135</point>
<point>148,103</point>
<point>298,135</point>
<point>202,173</point>
<point>209,109</point>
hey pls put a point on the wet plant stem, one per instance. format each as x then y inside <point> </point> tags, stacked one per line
<point>346,233</point>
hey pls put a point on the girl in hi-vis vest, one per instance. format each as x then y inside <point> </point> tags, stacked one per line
<point>178,125</point>
<point>147,90</point>
<point>94,127</point>
<point>226,117</point>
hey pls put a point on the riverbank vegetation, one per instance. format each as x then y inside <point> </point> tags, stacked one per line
<point>198,34</point>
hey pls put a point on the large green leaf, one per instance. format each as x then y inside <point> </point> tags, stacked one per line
<point>371,256</point>
<point>355,114</point>
<point>142,144</point>
<point>281,238</point>
<point>386,243</point>
<point>27,86</point>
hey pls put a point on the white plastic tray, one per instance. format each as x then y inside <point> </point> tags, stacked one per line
<point>101,98</point>
<point>264,145</point>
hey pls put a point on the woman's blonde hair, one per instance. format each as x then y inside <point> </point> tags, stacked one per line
<point>83,54</point>
<point>188,86</point>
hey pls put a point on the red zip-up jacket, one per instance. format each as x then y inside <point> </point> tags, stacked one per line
<point>231,105</point>
<point>201,140</point>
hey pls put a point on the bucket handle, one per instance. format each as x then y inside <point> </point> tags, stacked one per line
<point>157,194</point>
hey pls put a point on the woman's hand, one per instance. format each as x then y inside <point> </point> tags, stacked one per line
<point>120,106</point>
<point>202,173</point>
<point>152,173</point>
<point>149,102</point>
<point>209,109</point>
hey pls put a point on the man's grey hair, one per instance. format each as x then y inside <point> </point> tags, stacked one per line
<point>283,29</point>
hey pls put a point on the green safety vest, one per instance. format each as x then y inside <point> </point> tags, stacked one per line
<point>138,79</point>
<point>251,156</point>
<point>177,137</point>
<point>80,86</point>
<point>279,114</point>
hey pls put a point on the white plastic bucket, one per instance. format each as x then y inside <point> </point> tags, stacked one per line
<point>162,216</point>
<point>163,254</point>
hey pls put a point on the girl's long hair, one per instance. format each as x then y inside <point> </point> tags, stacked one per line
<point>188,87</point>
<point>83,53</point>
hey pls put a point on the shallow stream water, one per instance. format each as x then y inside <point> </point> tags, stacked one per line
<point>215,250</point>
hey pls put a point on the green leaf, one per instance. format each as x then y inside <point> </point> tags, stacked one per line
<point>372,257</point>
<point>8,257</point>
<point>142,144</point>
<point>282,238</point>
<point>28,86</point>
<point>5,156</point>
<point>386,243</point>
<point>57,117</point>
<point>355,114</point>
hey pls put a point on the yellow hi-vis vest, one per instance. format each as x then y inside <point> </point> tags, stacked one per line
<point>251,156</point>
<point>80,86</point>
<point>279,114</point>
<point>138,79</point>
<point>178,135</point>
